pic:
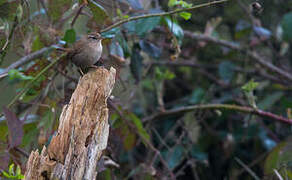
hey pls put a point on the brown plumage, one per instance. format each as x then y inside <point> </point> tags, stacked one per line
<point>86,51</point>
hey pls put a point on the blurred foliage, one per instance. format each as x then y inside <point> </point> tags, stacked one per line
<point>162,71</point>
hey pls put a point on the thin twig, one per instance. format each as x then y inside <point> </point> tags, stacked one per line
<point>28,85</point>
<point>247,169</point>
<point>26,59</point>
<point>149,144</point>
<point>244,109</point>
<point>254,55</point>
<point>160,14</point>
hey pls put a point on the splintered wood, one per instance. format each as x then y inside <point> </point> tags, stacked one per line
<point>82,134</point>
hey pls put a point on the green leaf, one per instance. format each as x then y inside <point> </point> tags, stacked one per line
<point>148,47</point>
<point>99,13</point>
<point>181,3</point>
<point>226,71</point>
<point>174,156</point>
<point>270,100</point>
<point>250,86</point>
<point>56,8</point>
<point>37,43</point>
<point>6,174</point>
<point>137,122</point>
<point>70,36</point>
<point>174,28</point>
<point>123,43</point>
<point>185,15</point>
<point>18,170</point>
<point>111,33</point>
<point>116,49</point>
<point>280,157</point>
<point>287,26</point>
<point>19,12</point>
<point>14,74</point>
<point>162,74</point>
<point>198,154</point>
<point>136,65</point>
<point>11,169</point>
<point>197,96</point>
<point>142,26</point>
<point>172,3</point>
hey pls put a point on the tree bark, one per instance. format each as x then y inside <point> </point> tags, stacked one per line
<point>82,133</point>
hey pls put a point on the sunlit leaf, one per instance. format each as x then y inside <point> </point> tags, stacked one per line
<point>14,74</point>
<point>185,15</point>
<point>250,86</point>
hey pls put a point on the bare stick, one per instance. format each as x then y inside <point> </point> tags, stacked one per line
<point>161,14</point>
<point>27,59</point>
<point>232,107</point>
<point>254,55</point>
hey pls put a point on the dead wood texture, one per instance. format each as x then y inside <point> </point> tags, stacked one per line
<point>82,133</point>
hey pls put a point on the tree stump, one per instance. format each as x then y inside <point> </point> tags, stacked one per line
<point>82,133</point>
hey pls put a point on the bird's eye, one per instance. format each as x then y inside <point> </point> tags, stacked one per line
<point>92,37</point>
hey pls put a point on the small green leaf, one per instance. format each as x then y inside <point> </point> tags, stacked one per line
<point>11,167</point>
<point>172,3</point>
<point>37,43</point>
<point>137,122</point>
<point>18,170</point>
<point>70,36</point>
<point>287,26</point>
<point>14,74</point>
<point>19,12</point>
<point>250,86</point>
<point>6,174</point>
<point>161,74</point>
<point>180,3</point>
<point>185,15</point>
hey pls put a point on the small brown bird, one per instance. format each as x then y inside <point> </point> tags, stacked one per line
<point>86,51</point>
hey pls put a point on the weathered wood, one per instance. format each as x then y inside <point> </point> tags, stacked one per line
<point>82,133</point>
